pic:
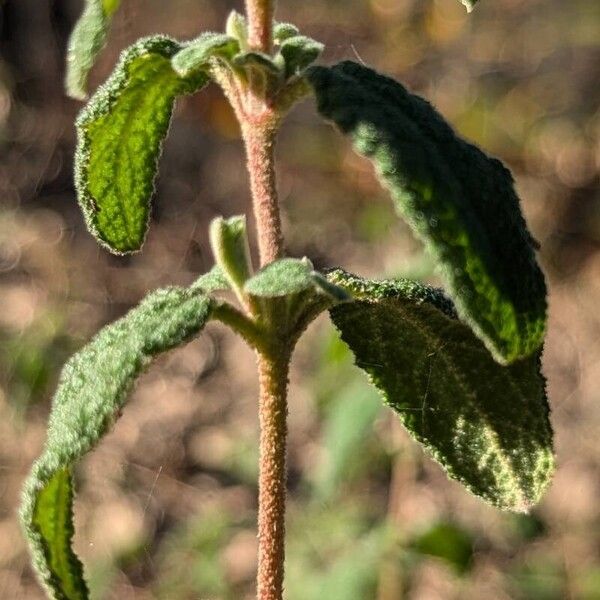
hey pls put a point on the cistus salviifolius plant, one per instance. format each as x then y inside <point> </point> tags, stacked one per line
<point>460,366</point>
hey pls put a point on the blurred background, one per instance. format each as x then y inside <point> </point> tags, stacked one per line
<point>167,503</point>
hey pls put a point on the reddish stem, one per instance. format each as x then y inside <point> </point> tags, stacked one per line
<point>260,151</point>
<point>260,24</point>
<point>273,377</point>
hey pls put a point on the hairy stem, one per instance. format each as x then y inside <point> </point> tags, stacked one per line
<point>273,377</point>
<point>260,24</point>
<point>260,151</point>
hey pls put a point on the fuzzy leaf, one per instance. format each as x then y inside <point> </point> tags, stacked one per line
<point>85,43</point>
<point>283,31</point>
<point>229,243</point>
<point>486,424</point>
<point>197,53</point>
<point>298,52</point>
<point>92,390</point>
<point>237,28</point>
<point>281,278</point>
<point>120,133</point>
<point>459,201</point>
<point>256,62</point>
<point>213,281</point>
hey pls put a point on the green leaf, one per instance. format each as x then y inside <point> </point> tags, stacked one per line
<point>229,243</point>
<point>448,542</point>
<point>85,43</point>
<point>486,424</point>
<point>281,278</point>
<point>459,201</point>
<point>298,52</point>
<point>197,53</point>
<point>256,62</point>
<point>283,31</point>
<point>237,28</point>
<point>213,281</point>
<point>120,133</point>
<point>93,389</point>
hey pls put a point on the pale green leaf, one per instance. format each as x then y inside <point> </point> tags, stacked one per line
<point>237,28</point>
<point>485,423</point>
<point>283,277</point>
<point>120,133</point>
<point>229,243</point>
<point>197,53</point>
<point>459,201</point>
<point>85,43</point>
<point>93,388</point>
<point>213,281</point>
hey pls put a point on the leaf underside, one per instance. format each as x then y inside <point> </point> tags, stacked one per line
<point>120,133</point>
<point>93,388</point>
<point>460,202</point>
<point>85,43</point>
<point>485,423</point>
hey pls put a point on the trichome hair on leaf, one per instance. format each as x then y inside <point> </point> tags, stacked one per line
<point>93,388</point>
<point>460,202</point>
<point>120,133</point>
<point>486,424</point>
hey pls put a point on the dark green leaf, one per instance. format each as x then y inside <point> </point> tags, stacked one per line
<point>298,52</point>
<point>448,542</point>
<point>281,278</point>
<point>85,43</point>
<point>120,133</point>
<point>486,424</point>
<point>460,202</point>
<point>256,62</point>
<point>93,388</point>
<point>197,53</point>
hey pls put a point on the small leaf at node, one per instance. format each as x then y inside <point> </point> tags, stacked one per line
<point>460,202</point>
<point>256,61</point>
<point>486,424</point>
<point>85,43</point>
<point>120,133</point>
<point>213,281</point>
<point>237,28</point>
<point>283,277</point>
<point>229,243</point>
<point>299,52</point>
<point>283,31</point>
<point>93,388</point>
<point>197,53</point>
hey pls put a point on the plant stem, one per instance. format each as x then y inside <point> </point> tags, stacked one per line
<point>260,151</point>
<point>260,24</point>
<point>259,127</point>
<point>273,378</point>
